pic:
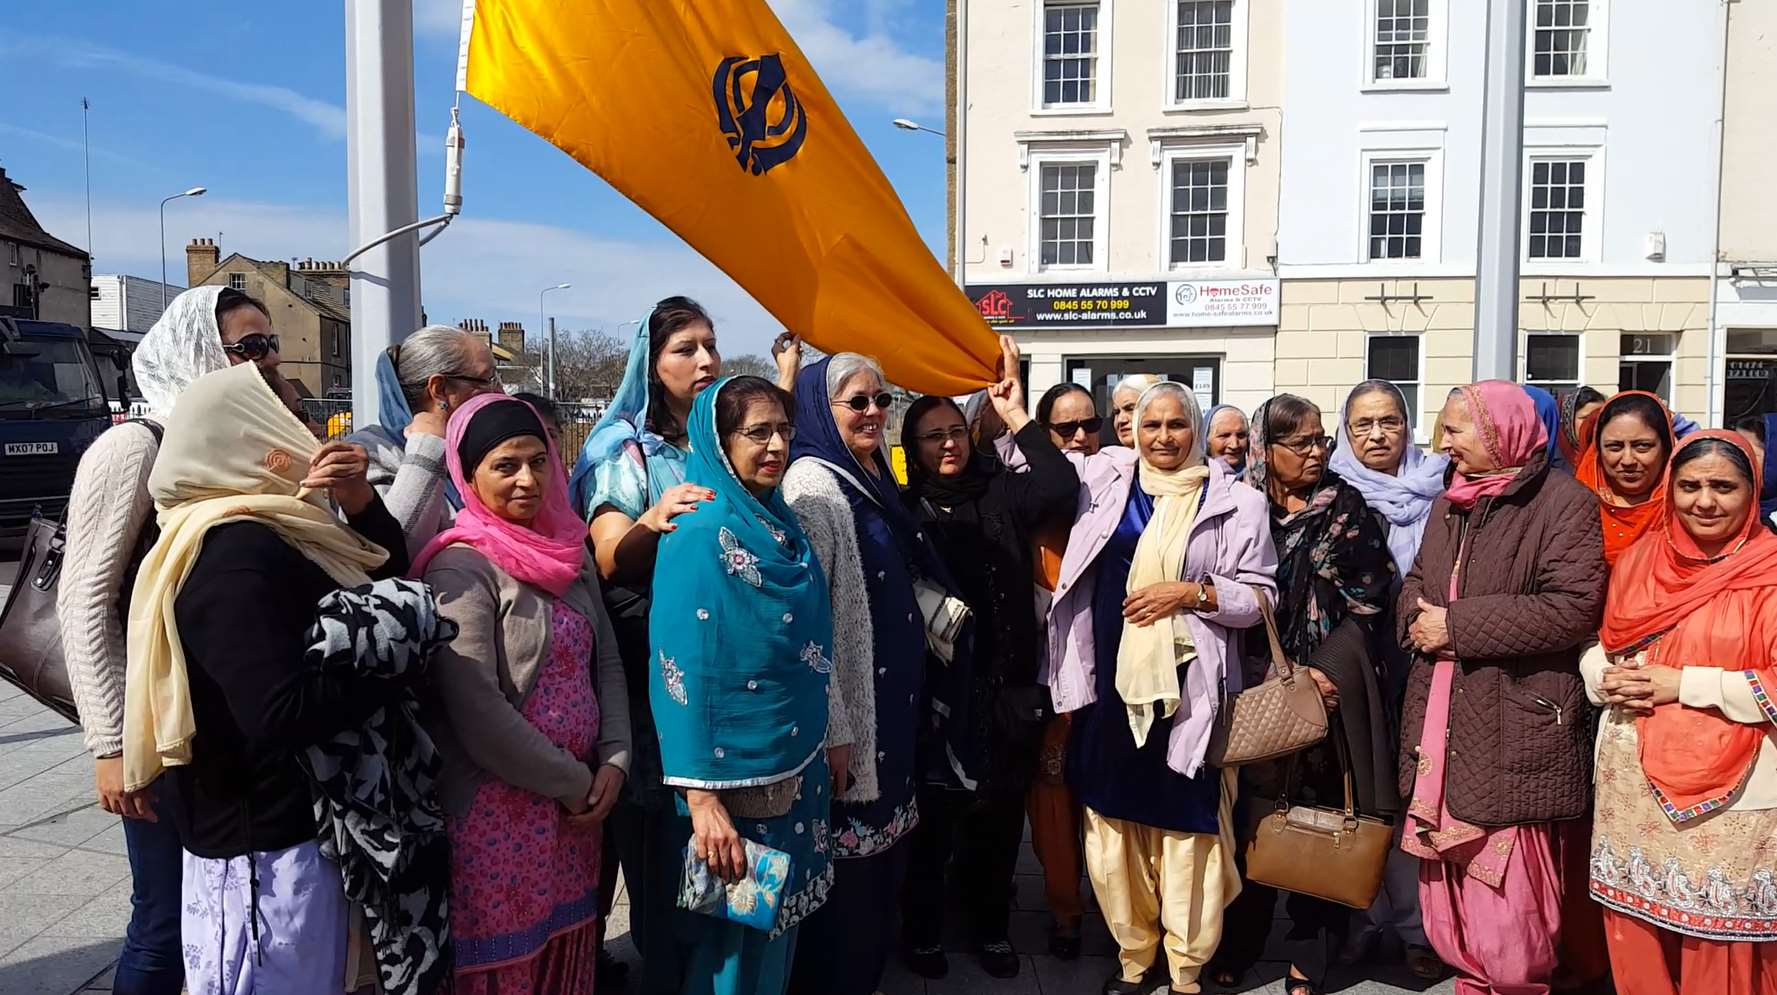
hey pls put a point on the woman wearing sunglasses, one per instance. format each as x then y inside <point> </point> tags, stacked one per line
<point>420,381</point>
<point>1334,581</point>
<point>983,517</point>
<point>840,487</point>
<point>110,525</point>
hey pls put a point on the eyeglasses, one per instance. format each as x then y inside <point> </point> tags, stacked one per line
<point>254,347</point>
<point>1302,447</point>
<point>862,402</point>
<point>956,434</point>
<point>489,382</point>
<point>760,435</point>
<point>1389,425</point>
<point>1066,429</point>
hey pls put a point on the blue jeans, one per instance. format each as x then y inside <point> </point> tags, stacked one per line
<point>152,962</point>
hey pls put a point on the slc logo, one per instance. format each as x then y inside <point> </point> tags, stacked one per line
<point>758,111</point>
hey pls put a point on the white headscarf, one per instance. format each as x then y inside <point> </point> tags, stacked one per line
<point>184,344</point>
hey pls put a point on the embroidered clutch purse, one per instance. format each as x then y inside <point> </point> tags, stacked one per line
<point>751,901</point>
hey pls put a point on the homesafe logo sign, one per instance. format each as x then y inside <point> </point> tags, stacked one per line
<point>1222,302</point>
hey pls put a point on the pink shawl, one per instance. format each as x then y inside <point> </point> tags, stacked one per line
<point>1506,420</point>
<point>549,553</point>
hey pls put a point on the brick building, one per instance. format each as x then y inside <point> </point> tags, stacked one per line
<point>310,305</point>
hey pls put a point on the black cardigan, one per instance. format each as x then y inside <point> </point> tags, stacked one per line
<point>243,615</point>
<point>988,546</point>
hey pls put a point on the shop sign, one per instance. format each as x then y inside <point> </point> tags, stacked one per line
<point>1071,305</point>
<point>1187,303</point>
<point>1222,302</point>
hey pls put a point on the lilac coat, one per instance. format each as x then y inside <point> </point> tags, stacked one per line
<point>1229,546</point>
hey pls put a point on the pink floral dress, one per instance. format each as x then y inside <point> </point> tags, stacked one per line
<point>524,882</point>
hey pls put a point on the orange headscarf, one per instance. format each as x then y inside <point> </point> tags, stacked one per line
<point>1688,610</point>
<point>1623,524</point>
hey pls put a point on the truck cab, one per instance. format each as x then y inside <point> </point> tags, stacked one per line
<point>53,405</point>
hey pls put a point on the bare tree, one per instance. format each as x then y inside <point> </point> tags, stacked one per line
<point>751,364</point>
<point>588,364</point>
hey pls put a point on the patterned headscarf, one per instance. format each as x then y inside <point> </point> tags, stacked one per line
<point>184,344</point>
<point>1506,421</point>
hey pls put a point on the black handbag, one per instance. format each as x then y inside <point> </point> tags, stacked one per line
<point>30,635</point>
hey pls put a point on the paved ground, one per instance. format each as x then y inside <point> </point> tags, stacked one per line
<point>64,888</point>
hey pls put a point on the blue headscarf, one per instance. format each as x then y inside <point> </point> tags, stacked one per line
<point>741,632</point>
<point>625,425</point>
<point>817,436</point>
<point>1403,499</point>
<point>1548,411</point>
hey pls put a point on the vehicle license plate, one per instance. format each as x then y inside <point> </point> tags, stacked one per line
<point>32,448</point>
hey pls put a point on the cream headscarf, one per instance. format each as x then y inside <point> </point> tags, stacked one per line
<point>232,453</point>
<point>1148,657</point>
<point>183,345</point>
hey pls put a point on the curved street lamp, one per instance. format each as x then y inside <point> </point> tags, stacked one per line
<point>193,192</point>
<point>543,322</point>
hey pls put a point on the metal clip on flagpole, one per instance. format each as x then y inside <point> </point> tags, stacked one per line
<point>453,194</point>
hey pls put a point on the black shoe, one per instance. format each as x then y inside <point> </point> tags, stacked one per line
<point>927,962</point>
<point>1115,985</point>
<point>610,970</point>
<point>999,959</point>
<point>1064,944</point>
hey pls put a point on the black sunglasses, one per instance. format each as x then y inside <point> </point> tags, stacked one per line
<point>1066,429</point>
<point>862,402</point>
<point>254,347</point>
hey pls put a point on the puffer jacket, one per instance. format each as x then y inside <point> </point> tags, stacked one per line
<point>1531,596</point>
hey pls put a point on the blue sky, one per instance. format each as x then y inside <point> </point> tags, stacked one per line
<point>248,100</point>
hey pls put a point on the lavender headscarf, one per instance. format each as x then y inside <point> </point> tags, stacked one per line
<point>1404,499</point>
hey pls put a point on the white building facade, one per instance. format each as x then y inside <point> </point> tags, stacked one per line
<point>1381,185</point>
<point>1119,160</point>
<point>129,303</point>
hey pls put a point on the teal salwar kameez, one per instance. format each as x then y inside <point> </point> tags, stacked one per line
<point>740,632</point>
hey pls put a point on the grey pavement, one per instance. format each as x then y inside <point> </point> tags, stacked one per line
<point>64,890</point>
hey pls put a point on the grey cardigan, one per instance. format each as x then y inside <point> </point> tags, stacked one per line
<point>481,681</point>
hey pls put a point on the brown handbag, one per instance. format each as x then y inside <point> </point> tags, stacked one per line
<point>1329,853</point>
<point>1282,715</point>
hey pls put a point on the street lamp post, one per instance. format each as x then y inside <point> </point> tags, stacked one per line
<point>956,250</point>
<point>542,320</point>
<point>193,192</point>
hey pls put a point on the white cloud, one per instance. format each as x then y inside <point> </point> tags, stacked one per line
<point>70,144</point>
<point>329,119</point>
<point>481,268</point>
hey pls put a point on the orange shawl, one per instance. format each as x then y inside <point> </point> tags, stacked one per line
<point>1623,524</point>
<point>1689,611</point>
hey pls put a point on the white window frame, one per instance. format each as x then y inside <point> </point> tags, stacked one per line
<point>1591,225</point>
<point>1101,201</point>
<point>1669,358</point>
<point>1414,417</point>
<point>237,281</point>
<point>1551,386</point>
<point>1236,155</point>
<point>1431,239</point>
<point>1437,46</point>
<point>1597,49</point>
<point>1240,30</point>
<point>1101,83</point>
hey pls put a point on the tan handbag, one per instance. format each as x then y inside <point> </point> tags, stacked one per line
<point>1329,853</point>
<point>1280,716</point>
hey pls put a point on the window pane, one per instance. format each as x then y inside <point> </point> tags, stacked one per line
<point>1552,358</point>
<point>1204,50</point>
<point>1403,30</point>
<point>1755,341</point>
<point>1397,209</point>
<point>1070,53</point>
<point>1199,209</point>
<point>1563,30</point>
<point>1557,207</point>
<point>1655,377</point>
<point>1068,192</point>
<point>1393,358</point>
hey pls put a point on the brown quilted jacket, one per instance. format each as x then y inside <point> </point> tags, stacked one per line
<point>1531,597</point>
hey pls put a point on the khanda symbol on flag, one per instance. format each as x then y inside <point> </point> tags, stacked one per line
<point>718,126</point>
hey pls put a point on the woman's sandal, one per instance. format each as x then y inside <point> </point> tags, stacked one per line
<point>1225,978</point>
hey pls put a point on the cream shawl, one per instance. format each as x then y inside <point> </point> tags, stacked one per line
<point>1148,657</point>
<point>232,453</point>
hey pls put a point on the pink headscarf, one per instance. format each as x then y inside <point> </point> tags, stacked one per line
<point>549,554</point>
<point>1506,420</point>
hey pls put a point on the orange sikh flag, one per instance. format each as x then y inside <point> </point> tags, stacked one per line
<point>706,114</point>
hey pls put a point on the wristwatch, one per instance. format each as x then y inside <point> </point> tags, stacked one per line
<point>1202,596</point>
